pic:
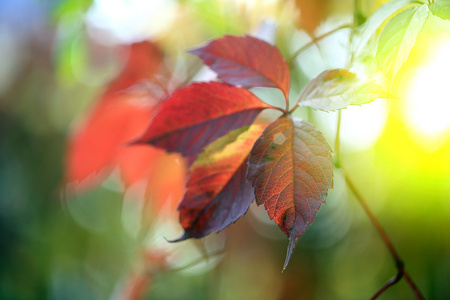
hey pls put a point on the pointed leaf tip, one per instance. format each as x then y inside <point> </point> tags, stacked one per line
<point>291,170</point>
<point>186,235</point>
<point>292,243</point>
<point>246,61</point>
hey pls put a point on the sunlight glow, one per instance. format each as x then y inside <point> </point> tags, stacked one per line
<point>428,100</point>
<point>130,20</point>
<point>361,126</point>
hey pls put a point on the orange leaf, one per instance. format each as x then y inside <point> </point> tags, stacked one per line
<point>119,117</point>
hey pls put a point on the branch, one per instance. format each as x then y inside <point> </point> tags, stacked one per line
<point>388,284</point>
<point>337,144</point>
<point>398,262</point>
<point>197,261</point>
<point>315,40</point>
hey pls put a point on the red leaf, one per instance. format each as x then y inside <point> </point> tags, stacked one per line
<point>218,192</point>
<point>118,118</point>
<point>246,61</point>
<point>101,143</point>
<point>200,113</point>
<point>144,61</point>
<point>93,149</point>
<point>291,168</point>
<point>165,175</point>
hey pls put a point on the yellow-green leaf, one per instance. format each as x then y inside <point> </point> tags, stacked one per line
<point>336,89</point>
<point>377,19</point>
<point>398,38</point>
<point>441,9</point>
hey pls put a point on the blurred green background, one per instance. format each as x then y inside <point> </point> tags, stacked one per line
<point>57,59</point>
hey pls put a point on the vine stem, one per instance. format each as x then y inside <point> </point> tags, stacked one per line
<point>315,40</point>
<point>398,262</point>
<point>197,261</point>
<point>401,272</point>
<point>337,144</point>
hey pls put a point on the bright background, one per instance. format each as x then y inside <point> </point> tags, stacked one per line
<point>57,58</point>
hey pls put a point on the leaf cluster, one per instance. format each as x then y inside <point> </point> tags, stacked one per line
<point>285,165</point>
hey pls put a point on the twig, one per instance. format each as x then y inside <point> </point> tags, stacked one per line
<point>196,261</point>
<point>193,71</point>
<point>315,40</point>
<point>413,285</point>
<point>390,282</point>
<point>337,144</point>
<point>398,262</point>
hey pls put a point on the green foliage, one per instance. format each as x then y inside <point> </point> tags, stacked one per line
<point>398,38</point>
<point>369,28</point>
<point>441,9</point>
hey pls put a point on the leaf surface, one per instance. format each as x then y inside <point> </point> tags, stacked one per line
<point>441,9</point>
<point>100,142</point>
<point>164,175</point>
<point>119,117</point>
<point>198,114</point>
<point>398,38</point>
<point>291,169</point>
<point>218,192</point>
<point>377,19</point>
<point>338,88</point>
<point>246,61</point>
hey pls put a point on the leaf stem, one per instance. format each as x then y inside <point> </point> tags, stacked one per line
<point>279,108</point>
<point>286,100</point>
<point>293,109</point>
<point>315,40</point>
<point>337,143</point>
<point>193,71</point>
<point>398,262</point>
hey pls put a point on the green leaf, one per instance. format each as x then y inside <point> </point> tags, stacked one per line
<point>336,89</point>
<point>441,9</point>
<point>398,38</point>
<point>378,18</point>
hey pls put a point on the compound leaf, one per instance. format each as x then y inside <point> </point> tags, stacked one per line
<point>198,114</point>
<point>291,169</point>
<point>246,61</point>
<point>218,192</point>
<point>338,88</point>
